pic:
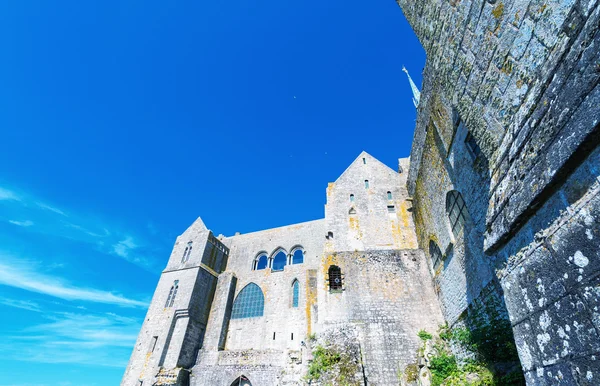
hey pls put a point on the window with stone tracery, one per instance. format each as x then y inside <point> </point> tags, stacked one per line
<point>456,210</point>
<point>249,303</point>
<point>172,293</point>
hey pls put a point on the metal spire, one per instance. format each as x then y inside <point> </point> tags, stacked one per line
<point>415,90</point>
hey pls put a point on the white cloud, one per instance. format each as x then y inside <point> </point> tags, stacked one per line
<point>8,195</point>
<point>21,275</point>
<point>101,339</point>
<point>51,208</point>
<point>123,247</point>
<point>23,304</point>
<point>26,223</point>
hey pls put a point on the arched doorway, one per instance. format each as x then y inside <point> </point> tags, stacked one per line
<point>241,381</point>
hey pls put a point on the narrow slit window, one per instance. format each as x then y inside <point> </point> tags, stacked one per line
<point>366,184</point>
<point>471,143</point>
<point>295,294</point>
<point>389,195</point>
<point>292,336</point>
<point>352,198</point>
<point>152,344</point>
<point>435,253</point>
<point>273,336</point>
<point>364,161</point>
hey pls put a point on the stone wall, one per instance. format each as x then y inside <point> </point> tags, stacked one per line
<point>387,299</point>
<point>523,78</point>
<point>360,215</point>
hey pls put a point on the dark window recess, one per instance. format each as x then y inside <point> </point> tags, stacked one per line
<point>352,198</point>
<point>273,336</point>
<point>471,143</point>
<point>391,209</point>
<point>364,161</point>
<point>292,336</point>
<point>389,195</point>
<point>366,184</point>
<point>435,253</point>
<point>335,278</point>
<point>153,344</point>
<point>456,210</point>
<point>352,211</point>
<point>329,235</point>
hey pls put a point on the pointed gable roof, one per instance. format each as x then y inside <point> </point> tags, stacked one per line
<point>359,160</point>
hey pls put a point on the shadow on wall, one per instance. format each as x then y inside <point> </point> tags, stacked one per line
<point>470,293</point>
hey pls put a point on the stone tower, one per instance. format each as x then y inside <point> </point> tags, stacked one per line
<point>174,327</point>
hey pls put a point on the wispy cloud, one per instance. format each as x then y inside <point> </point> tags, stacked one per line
<point>124,247</point>
<point>19,274</point>
<point>100,339</point>
<point>8,195</point>
<point>26,223</point>
<point>51,208</point>
<point>81,227</point>
<point>23,304</point>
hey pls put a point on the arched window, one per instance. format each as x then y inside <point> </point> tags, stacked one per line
<point>241,381</point>
<point>352,198</point>
<point>249,303</point>
<point>295,293</point>
<point>172,294</point>
<point>335,278</point>
<point>456,210</point>
<point>389,195</point>
<point>298,256</point>
<point>186,253</point>
<point>366,184</point>
<point>260,262</point>
<point>279,261</point>
<point>435,254</point>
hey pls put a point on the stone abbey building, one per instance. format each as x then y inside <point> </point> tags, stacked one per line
<point>496,217</point>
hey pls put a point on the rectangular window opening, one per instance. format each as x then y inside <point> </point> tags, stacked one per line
<point>366,184</point>
<point>364,161</point>
<point>471,143</point>
<point>273,336</point>
<point>391,209</point>
<point>292,336</point>
<point>153,344</point>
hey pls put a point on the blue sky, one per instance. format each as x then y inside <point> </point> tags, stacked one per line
<point>123,121</point>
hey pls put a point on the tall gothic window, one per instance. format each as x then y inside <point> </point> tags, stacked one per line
<point>456,210</point>
<point>435,254</point>
<point>260,262</point>
<point>279,261</point>
<point>172,294</point>
<point>186,253</point>
<point>295,293</point>
<point>298,256</point>
<point>335,278</point>
<point>249,303</point>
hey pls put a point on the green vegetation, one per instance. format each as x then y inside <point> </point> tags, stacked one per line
<point>411,372</point>
<point>332,367</point>
<point>491,342</point>
<point>424,335</point>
